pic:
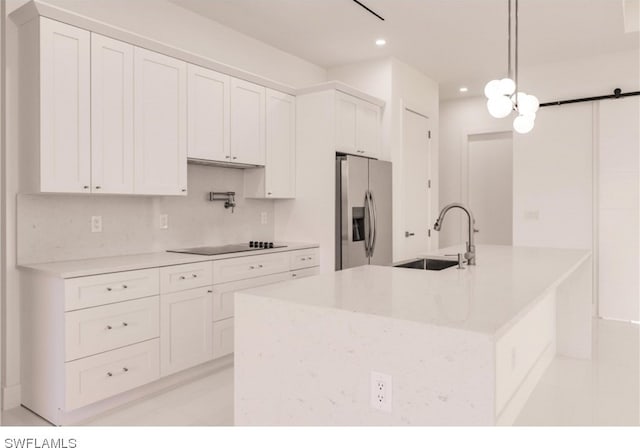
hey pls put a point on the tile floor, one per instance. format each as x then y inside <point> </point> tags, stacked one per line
<point>603,391</point>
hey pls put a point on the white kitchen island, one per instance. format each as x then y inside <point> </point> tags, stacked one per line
<point>462,347</point>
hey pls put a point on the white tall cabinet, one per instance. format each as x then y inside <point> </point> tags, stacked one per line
<point>160,123</point>
<point>64,76</point>
<point>111,115</point>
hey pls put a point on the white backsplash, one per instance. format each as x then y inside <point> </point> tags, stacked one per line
<point>57,227</point>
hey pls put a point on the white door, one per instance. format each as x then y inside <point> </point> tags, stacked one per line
<point>618,255</point>
<point>160,124</point>
<point>416,200</point>
<point>209,115</point>
<point>65,141</point>
<point>111,115</point>
<point>186,335</point>
<point>247,122</point>
<point>280,169</point>
<point>346,107</point>
<point>368,129</point>
<point>490,187</point>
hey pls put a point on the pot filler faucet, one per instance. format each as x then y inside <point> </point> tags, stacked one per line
<point>470,255</point>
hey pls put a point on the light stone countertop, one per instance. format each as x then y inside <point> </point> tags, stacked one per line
<point>104,265</point>
<point>487,298</point>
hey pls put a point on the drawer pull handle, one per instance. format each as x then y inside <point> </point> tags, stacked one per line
<point>294,275</point>
<point>209,291</point>
<point>109,327</point>
<point>303,259</point>
<point>260,266</point>
<point>124,286</point>
<point>109,374</point>
<point>194,275</point>
<point>124,324</point>
<point>125,370</point>
<point>109,289</point>
<point>182,277</point>
<point>252,267</point>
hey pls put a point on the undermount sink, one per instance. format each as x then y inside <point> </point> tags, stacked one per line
<point>428,264</point>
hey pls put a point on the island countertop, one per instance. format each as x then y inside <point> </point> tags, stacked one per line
<point>487,298</point>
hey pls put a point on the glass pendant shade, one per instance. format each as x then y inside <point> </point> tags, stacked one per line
<point>524,123</point>
<point>499,106</point>
<point>528,104</point>
<point>492,89</point>
<point>507,86</point>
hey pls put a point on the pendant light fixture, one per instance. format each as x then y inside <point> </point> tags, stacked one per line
<point>502,98</point>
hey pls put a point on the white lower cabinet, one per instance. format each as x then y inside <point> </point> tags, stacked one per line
<point>185,329</point>
<point>96,377</point>
<point>89,338</point>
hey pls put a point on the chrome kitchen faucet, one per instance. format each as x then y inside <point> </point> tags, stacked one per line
<point>470,255</point>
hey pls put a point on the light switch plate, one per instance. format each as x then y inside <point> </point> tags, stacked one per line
<point>164,221</point>
<point>96,224</point>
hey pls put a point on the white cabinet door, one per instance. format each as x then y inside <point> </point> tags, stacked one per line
<point>65,145</point>
<point>160,124</point>
<point>111,115</point>
<point>357,126</point>
<point>209,110</point>
<point>368,129</point>
<point>280,170</point>
<point>346,123</point>
<point>247,122</point>
<point>185,329</point>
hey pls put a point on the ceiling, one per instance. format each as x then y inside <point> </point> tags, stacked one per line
<point>455,42</point>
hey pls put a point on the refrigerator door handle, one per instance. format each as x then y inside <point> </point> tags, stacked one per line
<point>375,222</point>
<point>367,224</point>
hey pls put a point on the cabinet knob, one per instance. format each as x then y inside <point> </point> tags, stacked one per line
<point>124,324</point>
<point>209,291</point>
<point>98,187</point>
<point>109,327</point>
<point>252,267</point>
<point>194,275</point>
<point>260,266</point>
<point>109,289</point>
<point>234,157</point>
<point>124,286</point>
<point>184,190</point>
<point>86,187</point>
<point>125,369</point>
<point>294,275</point>
<point>227,157</point>
<point>109,374</point>
<point>269,193</point>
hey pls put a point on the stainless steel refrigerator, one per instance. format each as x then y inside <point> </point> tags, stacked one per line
<point>363,212</point>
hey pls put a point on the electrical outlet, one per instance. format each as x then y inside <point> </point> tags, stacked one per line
<point>164,221</point>
<point>96,224</point>
<point>263,218</point>
<point>381,391</point>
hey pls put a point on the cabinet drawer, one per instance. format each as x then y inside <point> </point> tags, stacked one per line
<point>222,337</point>
<point>301,259</point>
<point>84,292</point>
<point>308,272</point>
<point>241,268</point>
<point>185,276</point>
<point>96,377</point>
<point>102,328</point>
<point>518,350</point>
<point>223,295</point>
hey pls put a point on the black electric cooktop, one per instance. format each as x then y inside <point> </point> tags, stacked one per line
<point>229,248</point>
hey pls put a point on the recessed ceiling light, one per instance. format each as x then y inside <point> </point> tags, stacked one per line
<point>380,42</point>
<point>464,89</point>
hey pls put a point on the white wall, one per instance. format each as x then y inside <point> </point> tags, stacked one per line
<point>175,26</point>
<point>57,227</point>
<point>400,85</point>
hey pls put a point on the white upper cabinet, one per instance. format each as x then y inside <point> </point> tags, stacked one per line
<point>111,115</point>
<point>247,122</point>
<point>65,145</point>
<point>160,124</point>
<point>209,115</point>
<point>357,126</point>
<point>277,178</point>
